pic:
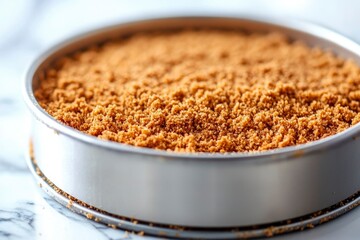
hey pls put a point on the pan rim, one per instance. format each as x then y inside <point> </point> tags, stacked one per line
<point>278,153</point>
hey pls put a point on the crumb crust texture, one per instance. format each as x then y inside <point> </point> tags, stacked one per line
<point>204,91</point>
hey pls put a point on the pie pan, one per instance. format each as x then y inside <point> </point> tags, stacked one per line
<point>199,190</point>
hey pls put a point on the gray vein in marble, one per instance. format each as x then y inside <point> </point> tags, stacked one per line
<point>5,234</point>
<point>21,220</point>
<point>62,210</point>
<point>12,166</point>
<point>9,106</point>
<point>103,229</point>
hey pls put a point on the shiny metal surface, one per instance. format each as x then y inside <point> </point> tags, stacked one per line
<point>198,190</point>
<point>289,226</point>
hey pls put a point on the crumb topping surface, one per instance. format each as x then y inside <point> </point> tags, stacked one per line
<point>204,91</point>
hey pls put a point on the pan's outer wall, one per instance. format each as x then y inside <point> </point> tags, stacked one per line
<point>211,191</point>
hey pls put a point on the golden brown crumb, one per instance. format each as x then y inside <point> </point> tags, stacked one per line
<point>269,232</point>
<point>204,91</point>
<point>70,204</point>
<point>310,225</point>
<point>31,151</point>
<point>89,215</point>
<point>113,226</point>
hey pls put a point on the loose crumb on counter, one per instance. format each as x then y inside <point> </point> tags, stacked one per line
<point>204,91</point>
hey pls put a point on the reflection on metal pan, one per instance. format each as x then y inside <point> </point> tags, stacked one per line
<point>197,190</point>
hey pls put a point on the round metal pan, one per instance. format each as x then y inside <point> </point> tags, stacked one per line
<point>196,190</point>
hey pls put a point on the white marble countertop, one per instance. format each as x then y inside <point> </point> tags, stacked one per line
<point>27,27</point>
